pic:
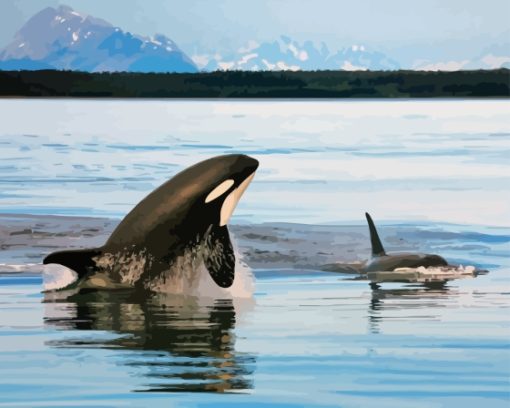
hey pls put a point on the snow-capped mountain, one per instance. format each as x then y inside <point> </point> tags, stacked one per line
<point>62,38</point>
<point>287,54</point>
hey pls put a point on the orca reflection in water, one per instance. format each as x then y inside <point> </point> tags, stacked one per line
<point>178,343</point>
<point>172,235</point>
<point>381,261</point>
<point>410,303</point>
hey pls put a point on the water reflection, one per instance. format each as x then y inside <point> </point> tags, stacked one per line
<point>180,343</point>
<point>407,302</point>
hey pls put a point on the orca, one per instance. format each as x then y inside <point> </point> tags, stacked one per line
<point>168,238</point>
<point>383,262</point>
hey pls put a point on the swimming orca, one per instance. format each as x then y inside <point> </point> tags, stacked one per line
<point>382,262</point>
<point>171,235</point>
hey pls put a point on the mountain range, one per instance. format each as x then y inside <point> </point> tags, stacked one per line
<point>61,38</point>
<point>287,54</point>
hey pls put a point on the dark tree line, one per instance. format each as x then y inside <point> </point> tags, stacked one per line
<point>240,84</point>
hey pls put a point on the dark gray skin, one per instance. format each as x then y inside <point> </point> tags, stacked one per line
<point>404,260</point>
<point>173,231</point>
<point>382,262</point>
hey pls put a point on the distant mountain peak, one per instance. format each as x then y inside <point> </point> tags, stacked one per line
<point>63,38</point>
<point>286,53</point>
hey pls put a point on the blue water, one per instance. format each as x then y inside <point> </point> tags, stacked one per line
<point>306,338</point>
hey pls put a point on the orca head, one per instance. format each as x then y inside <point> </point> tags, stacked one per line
<point>188,204</point>
<point>207,193</point>
<point>227,178</point>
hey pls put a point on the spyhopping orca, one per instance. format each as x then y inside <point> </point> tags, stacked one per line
<point>175,232</point>
<point>382,262</point>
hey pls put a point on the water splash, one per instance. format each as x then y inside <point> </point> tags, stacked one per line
<point>57,276</point>
<point>426,275</point>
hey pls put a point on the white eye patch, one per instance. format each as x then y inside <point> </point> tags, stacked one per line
<point>219,190</point>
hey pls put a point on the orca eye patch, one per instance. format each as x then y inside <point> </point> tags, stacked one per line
<point>219,190</point>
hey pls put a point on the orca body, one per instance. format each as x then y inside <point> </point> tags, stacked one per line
<point>174,233</point>
<point>383,262</point>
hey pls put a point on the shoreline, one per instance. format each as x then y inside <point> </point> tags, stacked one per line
<point>321,84</point>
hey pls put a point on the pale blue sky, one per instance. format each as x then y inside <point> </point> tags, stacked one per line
<point>408,30</point>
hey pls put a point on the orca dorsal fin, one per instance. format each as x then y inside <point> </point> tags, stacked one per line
<point>377,247</point>
<point>79,260</point>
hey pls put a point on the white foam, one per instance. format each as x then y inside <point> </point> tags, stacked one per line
<point>57,276</point>
<point>433,273</point>
<point>441,270</point>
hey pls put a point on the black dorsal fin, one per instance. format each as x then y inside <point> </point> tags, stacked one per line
<point>377,247</point>
<point>219,258</point>
<point>79,260</point>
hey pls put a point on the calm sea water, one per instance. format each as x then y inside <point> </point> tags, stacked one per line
<point>401,160</point>
<point>306,338</point>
